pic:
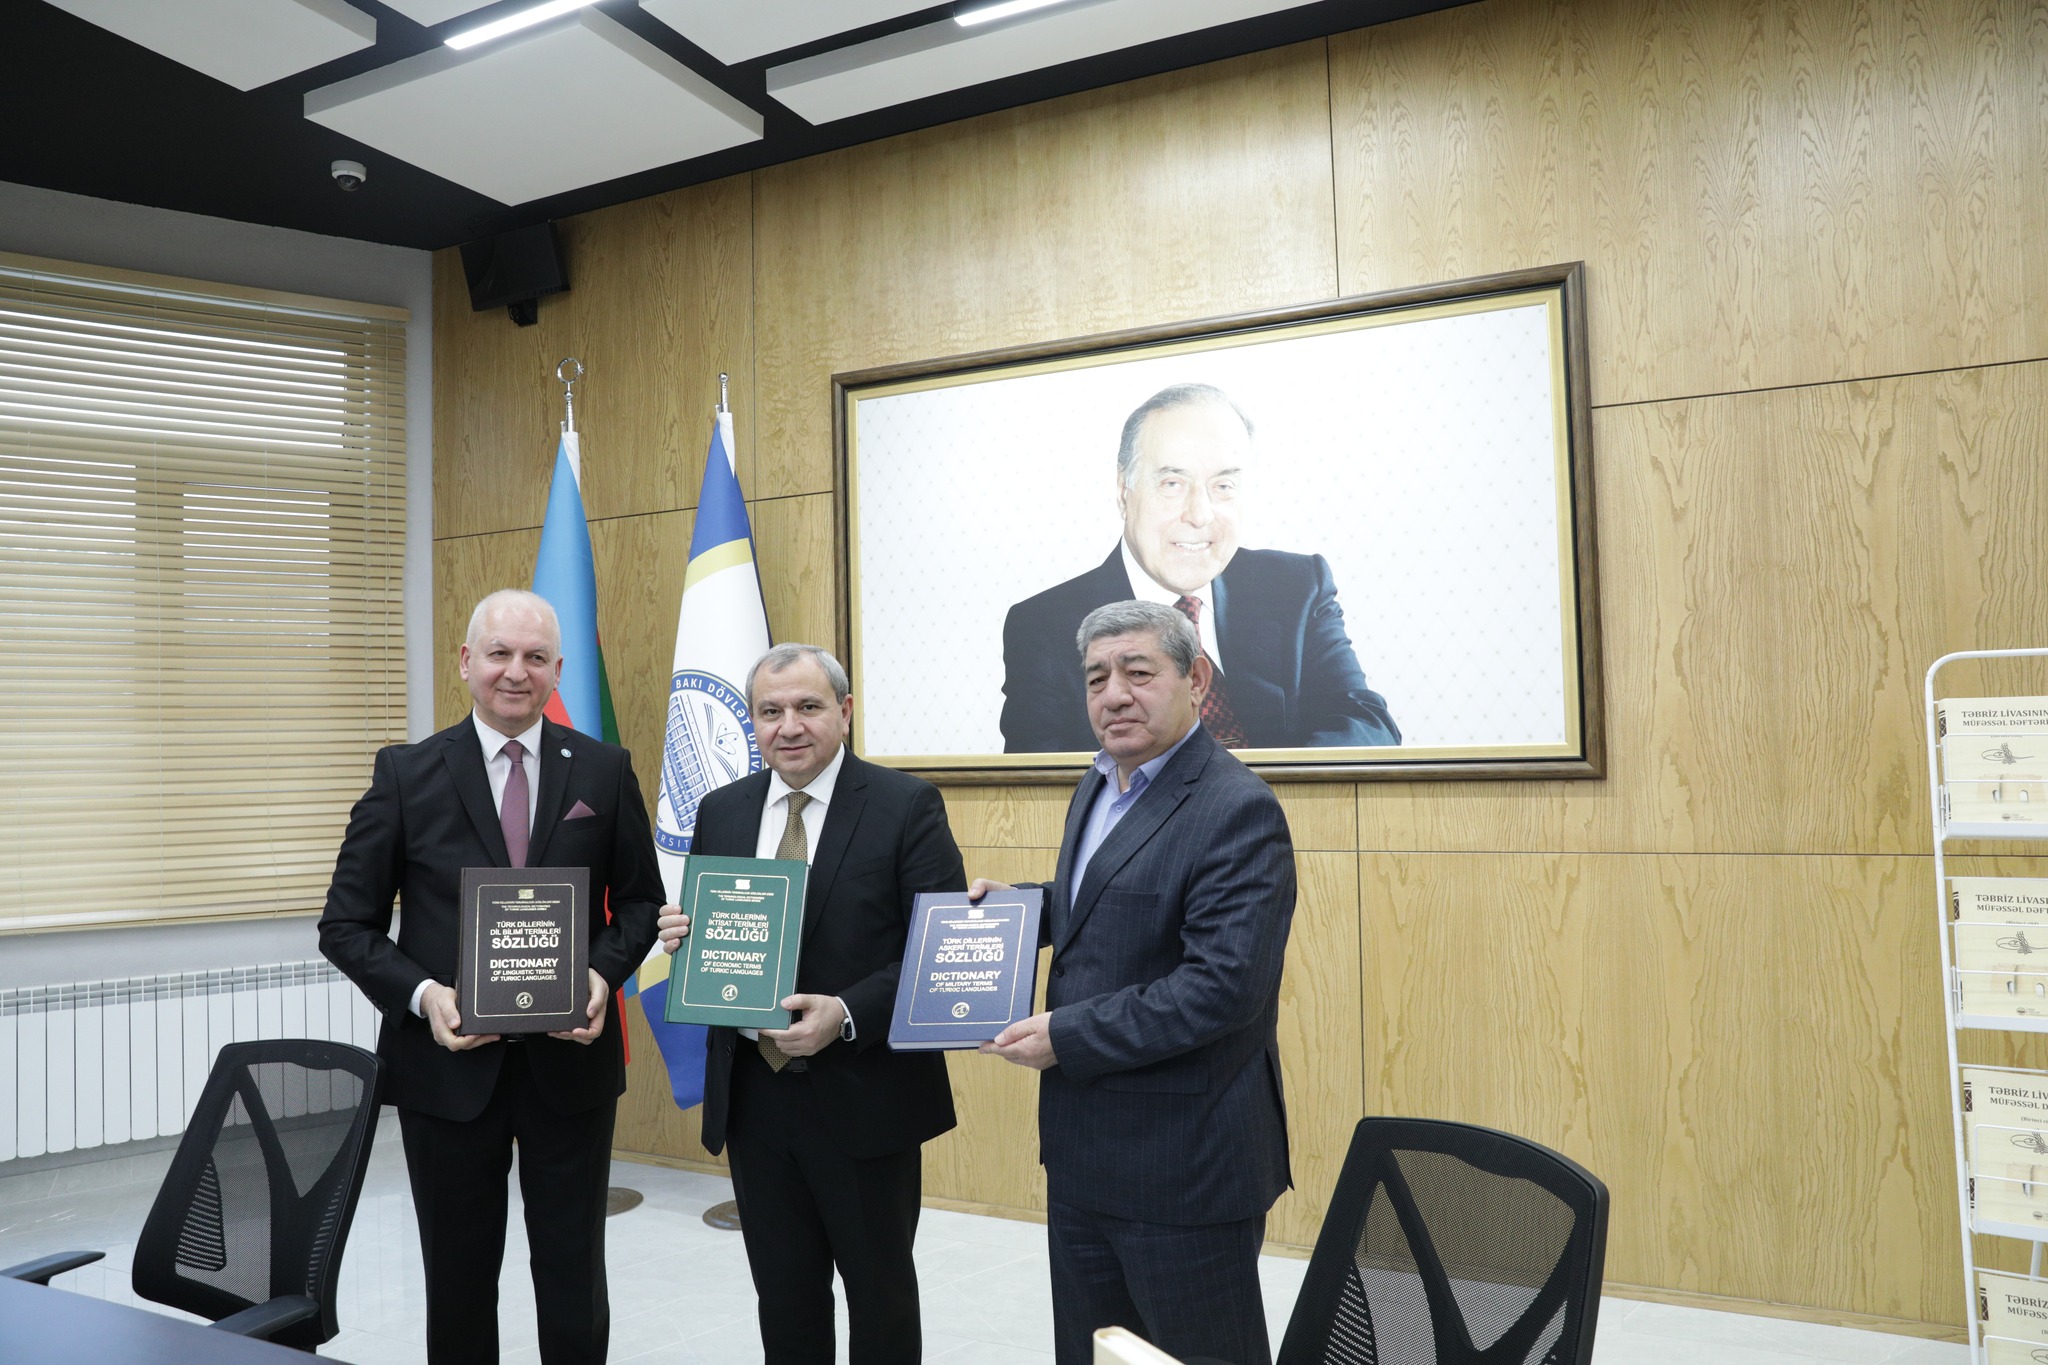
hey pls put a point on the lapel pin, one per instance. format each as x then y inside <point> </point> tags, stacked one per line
<point>565,753</point>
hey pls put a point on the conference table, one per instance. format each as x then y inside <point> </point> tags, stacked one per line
<point>42,1325</point>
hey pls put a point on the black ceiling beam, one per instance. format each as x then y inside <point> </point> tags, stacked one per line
<point>116,121</point>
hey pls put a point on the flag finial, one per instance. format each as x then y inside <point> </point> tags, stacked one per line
<point>723,380</point>
<point>569,371</point>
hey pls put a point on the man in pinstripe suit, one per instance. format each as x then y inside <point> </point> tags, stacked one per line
<point>1160,1119</point>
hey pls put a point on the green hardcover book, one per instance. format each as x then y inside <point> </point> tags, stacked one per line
<point>746,926</point>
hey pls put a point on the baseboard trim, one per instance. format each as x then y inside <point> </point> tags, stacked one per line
<point>86,1156</point>
<point>674,1163</point>
<point>1680,1298</point>
<point>1790,1312</point>
<point>933,1201</point>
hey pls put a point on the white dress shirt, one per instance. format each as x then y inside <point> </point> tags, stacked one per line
<point>498,768</point>
<point>775,819</point>
<point>775,814</point>
<point>1148,589</point>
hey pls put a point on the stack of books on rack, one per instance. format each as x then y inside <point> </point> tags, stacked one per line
<point>2012,1315</point>
<point>1994,764</point>
<point>2005,1136</point>
<point>2001,945</point>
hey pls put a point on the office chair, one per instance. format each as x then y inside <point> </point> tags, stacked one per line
<point>1449,1244</point>
<point>249,1224</point>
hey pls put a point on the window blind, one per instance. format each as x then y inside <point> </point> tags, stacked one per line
<point>202,522</point>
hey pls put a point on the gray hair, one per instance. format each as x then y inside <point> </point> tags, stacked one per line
<point>513,597</point>
<point>782,656</point>
<point>1176,633</point>
<point>1172,396</point>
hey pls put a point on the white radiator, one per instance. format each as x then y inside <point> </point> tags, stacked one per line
<point>101,1062</point>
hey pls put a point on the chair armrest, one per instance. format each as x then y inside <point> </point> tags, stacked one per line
<point>265,1320</point>
<point>41,1269</point>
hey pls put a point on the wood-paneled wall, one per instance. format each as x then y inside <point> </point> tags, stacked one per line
<point>1820,374</point>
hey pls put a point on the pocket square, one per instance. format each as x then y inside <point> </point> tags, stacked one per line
<point>579,811</point>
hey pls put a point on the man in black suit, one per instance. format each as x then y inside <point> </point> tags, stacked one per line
<point>1286,676</point>
<point>1160,1118</point>
<point>503,787</point>
<point>821,1121</point>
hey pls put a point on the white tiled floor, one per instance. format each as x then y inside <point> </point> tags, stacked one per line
<point>681,1294</point>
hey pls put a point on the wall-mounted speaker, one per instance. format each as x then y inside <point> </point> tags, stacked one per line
<point>513,270</point>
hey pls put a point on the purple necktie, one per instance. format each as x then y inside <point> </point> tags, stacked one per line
<point>512,816</point>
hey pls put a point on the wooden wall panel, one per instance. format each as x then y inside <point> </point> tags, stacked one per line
<point>1320,815</point>
<point>465,569</point>
<point>1777,571</point>
<point>1321,1061</point>
<point>1187,195</point>
<point>1007,817</point>
<point>1747,1049</point>
<point>640,562</point>
<point>660,301</point>
<point>496,413</point>
<point>799,576</point>
<point>1763,194</point>
<point>1807,228</point>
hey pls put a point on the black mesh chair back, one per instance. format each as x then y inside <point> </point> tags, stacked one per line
<point>1448,1244</point>
<point>257,1204</point>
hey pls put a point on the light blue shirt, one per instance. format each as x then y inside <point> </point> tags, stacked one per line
<point>1112,805</point>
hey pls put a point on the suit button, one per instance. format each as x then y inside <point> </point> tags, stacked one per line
<point>1059,971</point>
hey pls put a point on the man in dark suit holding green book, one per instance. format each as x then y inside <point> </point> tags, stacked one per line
<point>821,1121</point>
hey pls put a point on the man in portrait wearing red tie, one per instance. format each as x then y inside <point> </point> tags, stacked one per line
<point>821,1121</point>
<point>1286,676</point>
<point>502,787</point>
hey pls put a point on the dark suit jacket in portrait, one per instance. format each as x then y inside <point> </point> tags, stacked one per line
<point>885,839</point>
<point>1294,679</point>
<point>1165,1105</point>
<point>429,814</point>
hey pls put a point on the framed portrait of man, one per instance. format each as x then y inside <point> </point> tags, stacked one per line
<point>1376,513</point>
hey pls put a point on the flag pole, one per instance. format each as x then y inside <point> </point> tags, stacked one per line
<point>617,1198</point>
<point>724,1216</point>
<point>568,381</point>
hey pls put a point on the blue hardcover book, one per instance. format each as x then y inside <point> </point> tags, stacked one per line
<point>970,970</point>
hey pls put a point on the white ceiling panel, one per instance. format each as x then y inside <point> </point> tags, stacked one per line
<point>741,30</point>
<point>431,12</point>
<point>246,43</point>
<point>945,56</point>
<point>570,104</point>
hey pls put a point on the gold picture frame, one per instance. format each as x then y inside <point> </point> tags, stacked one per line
<point>1415,486</point>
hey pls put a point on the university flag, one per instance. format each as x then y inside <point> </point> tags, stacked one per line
<point>721,629</point>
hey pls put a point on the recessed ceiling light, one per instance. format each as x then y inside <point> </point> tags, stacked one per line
<point>988,14</point>
<point>512,23</point>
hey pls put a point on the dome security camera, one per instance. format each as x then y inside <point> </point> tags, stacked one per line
<point>350,175</point>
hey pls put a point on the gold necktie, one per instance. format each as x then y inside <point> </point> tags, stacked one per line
<point>794,848</point>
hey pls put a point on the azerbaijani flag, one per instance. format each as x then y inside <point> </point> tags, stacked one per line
<point>566,575</point>
<point>721,629</point>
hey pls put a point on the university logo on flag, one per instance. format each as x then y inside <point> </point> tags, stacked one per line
<point>710,742</point>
